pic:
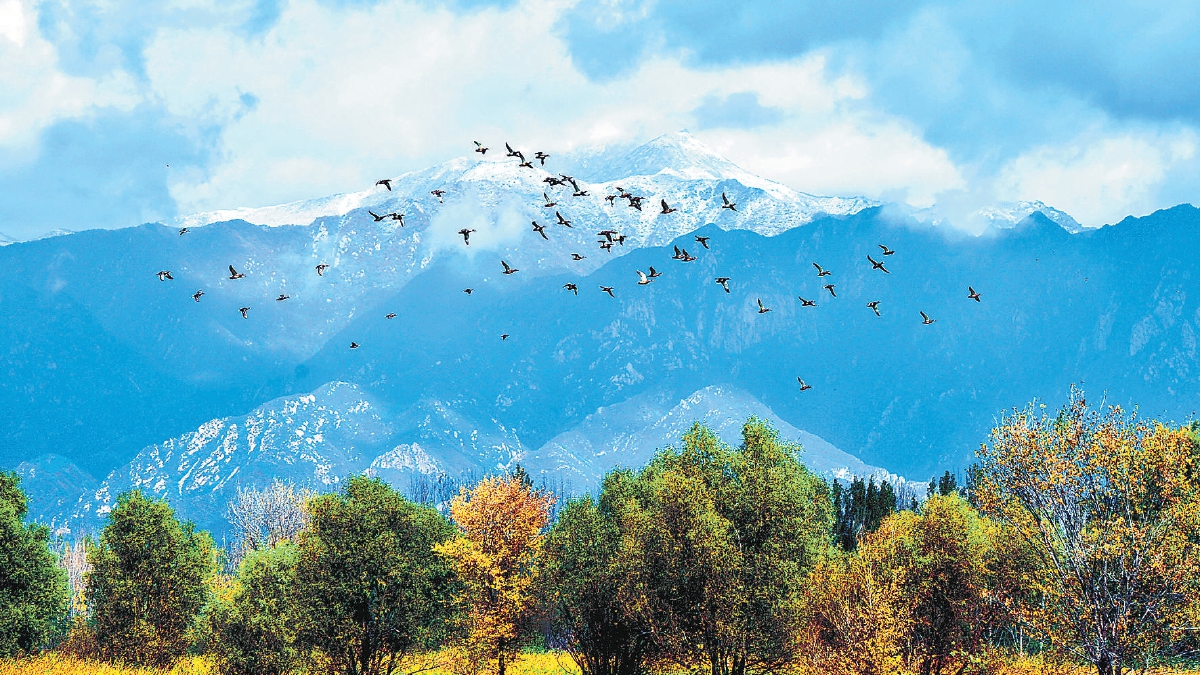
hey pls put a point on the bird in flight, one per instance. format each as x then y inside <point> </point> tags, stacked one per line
<point>580,193</point>
<point>525,164</point>
<point>972,294</point>
<point>376,216</point>
<point>724,281</point>
<point>607,289</point>
<point>468,291</point>
<point>562,221</point>
<point>390,315</point>
<point>654,274</point>
<point>245,312</point>
<point>540,229</point>
<point>504,336</point>
<point>576,257</point>
<point>607,234</point>
<point>635,202</point>
<point>282,297</point>
<point>667,209</point>
<point>804,386</point>
<point>466,235</point>
<point>687,257</point>
<point>703,241</point>
<point>196,295</point>
<point>877,265</point>
<point>397,216</point>
<point>571,287</point>
<point>386,182</point>
<point>353,345</point>
<point>509,270</point>
<point>926,320</point>
<point>821,272</point>
<point>234,274</point>
<point>514,153</point>
<point>165,275</point>
<point>829,287</point>
<point>610,199</point>
<point>183,231</point>
<point>549,202</point>
<point>726,204</point>
<point>479,148</point>
<point>874,305</point>
<point>541,157</point>
<point>806,303</point>
<point>642,278</point>
<point>321,269</point>
<point>762,309</point>
<point>438,194</point>
<point>886,250</point>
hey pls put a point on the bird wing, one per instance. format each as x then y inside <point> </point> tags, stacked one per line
<point>642,277</point>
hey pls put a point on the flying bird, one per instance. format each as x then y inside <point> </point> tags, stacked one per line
<point>391,315</point>
<point>703,241</point>
<point>654,274</point>
<point>353,345</point>
<point>282,297</point>
<point>667,209</point>
<point>376,216</point>
<point>829,287</point>
<point>245,312</point>
<point>321,269</point>
<point>504,336</point>
<point>513,153</point>
<point>724,281</point>
<point>562,221</point>
<point>821,272</point>
<point>196,295</point>
<point>438,194</point>
<point>762,309</point>
<point>610,199</point>
<point>165,275</point>
<point>526,164</point>
<point>642,278</point>
<point>386,182</point>
<point>540,229</point>
<point>541,157</point>
<point>926,320</point>
<point>576,257</point>
<point>183,231</point>
<point>607,289</point>
<point>479,148</point>
<point>972,294</point>
<point>806,303</point>
<point>804,386</point>
<point>874,305</point>
<point>886,250</point>
<point>468,291</point>
<point>732,206</point>
<point>549,202</point>
<point>397,216</point>
<point>234,274</point>
<point>877,265</point>
<point>571,287</point>
<point>466,235</point>
<point>635,202</point>
<point>509,270</point>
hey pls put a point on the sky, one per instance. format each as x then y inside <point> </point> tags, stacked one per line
<point>116,112</point>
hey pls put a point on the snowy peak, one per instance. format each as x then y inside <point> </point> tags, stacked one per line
<point>1006,215</point>
<point>682,155</point>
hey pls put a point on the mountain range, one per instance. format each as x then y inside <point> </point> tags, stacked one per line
<point>116,379</point>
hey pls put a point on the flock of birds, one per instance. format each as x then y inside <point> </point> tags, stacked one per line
<point>608,239</point>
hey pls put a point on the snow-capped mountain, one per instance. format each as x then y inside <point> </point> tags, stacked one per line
<point>1003,216</point>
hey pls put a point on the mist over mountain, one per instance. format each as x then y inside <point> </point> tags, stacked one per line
<point>128,381</point>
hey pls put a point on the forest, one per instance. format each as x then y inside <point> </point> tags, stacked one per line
<point>1069,546</point>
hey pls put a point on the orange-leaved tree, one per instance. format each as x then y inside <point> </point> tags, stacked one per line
<point>1111,505</point>
<point>500,523</point>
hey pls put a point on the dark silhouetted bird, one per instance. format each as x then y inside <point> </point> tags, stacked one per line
<point>540,229</point>
<point>877,265</point>
<point>386,182</point>
<point>245,312</point>
<point>804,386</point>
<point>703,241</point>
<point>438,194</point>
<point>727,204</point>
<point>667,209</point>
<point>515,153</point>
<point>571,287</point>
<point>926,320</point>
<point>165,275</point>
<point>196,295</point>
<point>829,287</point>
<point>576,257</point>
<point>353,345</point>
<point>550,203</point>
<point>468,291</point>
<point>724,281</point>
<point>610,199</point>
<point>466,235</point>
<point>526,164</point>
<point>541,157</point>
<point>321,269</point>
<point>821,272</point>
<point>397,216</point>
<point>972,294</point>
<point>479,148</point>
<point>762,309</point>
<point>562,221</point>
<point>635,202</point>
<point>607,234</point>
<point>806,303</point>
<point>654,274</point>
<point>886,250</point>
<point>234,274</point>
<point>504,336</point>
<point>391,315</point>
<point>509,270</point>
<point>376,216</point>
<point>609,290</point>
<point>183,231</point>
<point>874,305</point>
<point>282,297</point>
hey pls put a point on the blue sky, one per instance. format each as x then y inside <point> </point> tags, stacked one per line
<point>1092,108</point>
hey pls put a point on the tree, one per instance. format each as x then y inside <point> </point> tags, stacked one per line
<point>33,589</point>
<point>723,540</point>
<point>255,632</point>
<point>1111,506</point>
<point>262,518</point>
<point>852,627</point>
<point>500,524</point>
<point>860,509</point>
<point>584,590</point>
<point>369,588</point>
<point>148,579</point>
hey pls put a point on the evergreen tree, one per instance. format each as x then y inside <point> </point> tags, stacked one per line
<point>255,632</point>
<point>33,589</point>
<point>148,581</point>
<point>860,509</point>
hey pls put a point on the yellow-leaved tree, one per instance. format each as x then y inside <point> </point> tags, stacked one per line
<point>1111,505</point>
<point>500,523</point>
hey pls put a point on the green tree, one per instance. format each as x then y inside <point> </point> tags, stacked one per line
<point>148,580</point>
<point>584,589</point>
<point>723,540</point>
<point>33,589</point>
<point>859,509</point>
<point>369,587</point>
<point>255,631</point>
